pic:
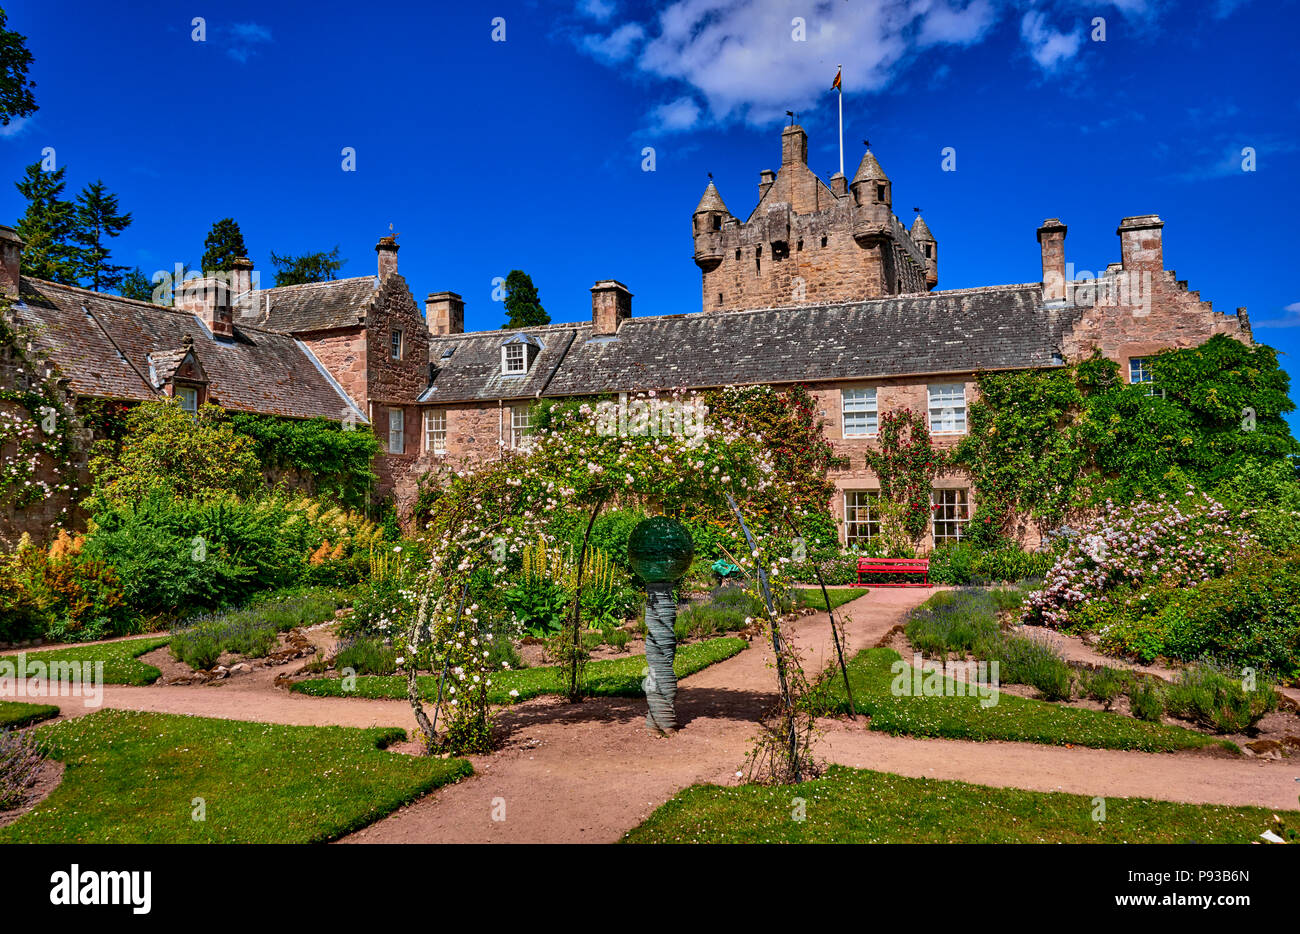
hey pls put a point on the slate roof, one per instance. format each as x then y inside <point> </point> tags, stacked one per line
<point>315,306</point>
<point>104,345</point>
<point>963,330</point>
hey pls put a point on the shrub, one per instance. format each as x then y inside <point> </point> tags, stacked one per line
<point>1208,696</point>
<point>539,605</point>
<point>1176,541</point>
<point>1250,618</point>
<point>21,758</point>
<point>1028,660</point>
<point>200,647</point>
<point>175,555</point>
<point>1147,701</point>
<point>952,564</point>
<point>366,656</point>
<point>952,623</point>
<point>382,606</point>
<point>165,448</point>
<point>63,592</point>
<point>1104,685</point>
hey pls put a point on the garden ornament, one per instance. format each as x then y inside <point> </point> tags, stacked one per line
<point>660,551</point>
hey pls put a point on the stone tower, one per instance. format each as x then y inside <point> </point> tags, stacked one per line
<point>809,243</point>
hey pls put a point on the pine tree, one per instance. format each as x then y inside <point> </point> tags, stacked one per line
<point>16,98</point>
<point>135,284</point>
<point>523,307</point>
<point>97,221</point>
<point>47,226</point>
<point>310,267</point>
<point>224,244</point>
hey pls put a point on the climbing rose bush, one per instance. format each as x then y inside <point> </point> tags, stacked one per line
<point>1178,541</point>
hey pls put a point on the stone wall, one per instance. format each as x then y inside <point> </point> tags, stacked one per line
<point>41,520</point>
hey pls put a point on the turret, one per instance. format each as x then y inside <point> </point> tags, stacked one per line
<point>706,226</point>
<point>872,199</point>
<point>922,237</point>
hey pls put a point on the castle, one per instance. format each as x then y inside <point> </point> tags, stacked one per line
<point>821,285</point>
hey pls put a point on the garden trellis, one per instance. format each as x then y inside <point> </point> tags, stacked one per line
<point>581,461</point>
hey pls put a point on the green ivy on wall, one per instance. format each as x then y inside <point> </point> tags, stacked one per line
<point>338,461</point>
<point>906,464</point>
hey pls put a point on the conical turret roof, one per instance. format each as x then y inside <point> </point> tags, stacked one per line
<point>920,230</point>
<point>869,170</point>
<point>711,201</point>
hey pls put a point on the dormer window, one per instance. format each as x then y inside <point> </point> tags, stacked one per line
<point>518,354</point>
<point>188,397</point>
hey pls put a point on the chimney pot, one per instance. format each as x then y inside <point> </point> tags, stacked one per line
<point>11,254</point>
<point>387,249</point>
<point>209,299</point>
<point>241,275</point>
<point>611,304</point>
<point>794,146</point>
<point>1051,240</point>
<point>444,313</point>
<point>1140,243</point>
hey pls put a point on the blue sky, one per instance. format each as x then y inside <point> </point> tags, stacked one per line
<point>528,153</point>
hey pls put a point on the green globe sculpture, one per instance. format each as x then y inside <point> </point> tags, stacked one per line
<point>660,550</point>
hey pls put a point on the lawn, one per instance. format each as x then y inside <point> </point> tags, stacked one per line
<point>15,714</point>
<point>1012,718</point>
<point>121,662</point>
<point>605,677</point>
<point>135,777</point>
<point>812,597</point>
<point>861,806</point>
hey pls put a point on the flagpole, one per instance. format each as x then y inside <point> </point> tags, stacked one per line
<point>839,71</point>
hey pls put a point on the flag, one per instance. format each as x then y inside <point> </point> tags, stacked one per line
<point>836,84</point>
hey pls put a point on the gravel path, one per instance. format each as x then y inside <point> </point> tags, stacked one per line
<point>591,771</point>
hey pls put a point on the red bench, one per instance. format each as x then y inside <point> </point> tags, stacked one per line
<point>894,566</point>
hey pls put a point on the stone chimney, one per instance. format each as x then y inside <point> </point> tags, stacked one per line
<point>209,299</point>
<point>241,276</point>
<point>839,185</point>
<point>444,313</point>
<point>11,254</point>
<point>1051,240</point>
<point>611,304</point>
<point>387,250</point>
<point>765,180</point>
<point>794,146</point>
<point>1140,243</point>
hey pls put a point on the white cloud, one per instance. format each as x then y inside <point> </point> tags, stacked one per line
<point>15,127</point>
<point>241,39</point>
<point>675,116</point>
<point>617,46</point>
<point>1048,46</point>
<point>599,10</point>
<point>1290,319</point>
<point>742,59</point>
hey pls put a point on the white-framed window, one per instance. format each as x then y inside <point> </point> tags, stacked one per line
<point>1139,371</point>
<point>861,525</point>
<point>951,513</point>
<point>521,426</point>
<point>948,408</point>
<point>514,359</point>
<point>435,432</point>
<point>396,431</point>
<point>396,344</point>
<point>858,412</point>
<point>188,397</point>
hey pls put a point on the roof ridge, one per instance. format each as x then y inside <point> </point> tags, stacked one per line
<point>106,296</point>
<point>1005,287</point>
<point>309,285</point>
